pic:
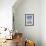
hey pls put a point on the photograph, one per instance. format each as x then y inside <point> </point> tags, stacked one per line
<point>29,19</point>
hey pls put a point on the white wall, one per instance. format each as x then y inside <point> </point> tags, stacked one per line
<point>6,13</point>
<point>30,32</point>
<point>43,22</point>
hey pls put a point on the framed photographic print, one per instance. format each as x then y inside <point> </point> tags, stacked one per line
<point>29,19</point>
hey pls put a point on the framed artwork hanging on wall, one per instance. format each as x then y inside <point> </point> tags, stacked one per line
<point>29,19</point>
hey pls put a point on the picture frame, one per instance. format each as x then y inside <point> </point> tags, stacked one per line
<point>29,19</point>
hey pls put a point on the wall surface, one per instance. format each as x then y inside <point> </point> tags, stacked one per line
<point>43,22</point>
<point>6,13</point>
<point>29,32</point>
